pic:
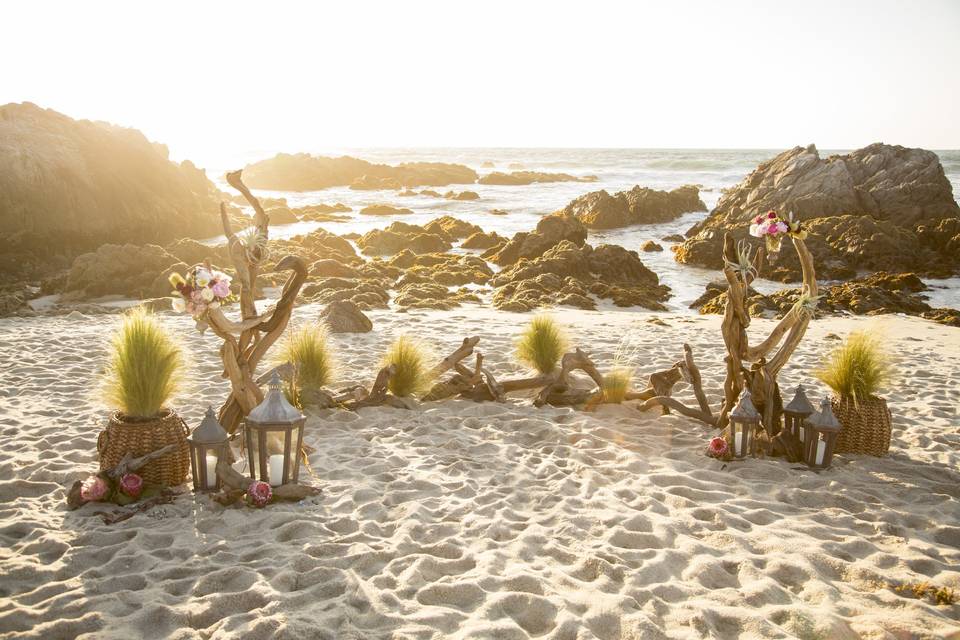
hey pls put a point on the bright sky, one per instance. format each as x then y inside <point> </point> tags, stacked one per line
<point>211,77</point>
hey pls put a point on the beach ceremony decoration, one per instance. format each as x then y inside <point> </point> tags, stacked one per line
<point>209,442</point>
<point>822,431</point>
<point>752,367</point>
<point>144,371</point>
<point>793,434</point>
<point>742,430</point>
<point>246,342</point>
<point>856,371</point>
<point>273,436</point>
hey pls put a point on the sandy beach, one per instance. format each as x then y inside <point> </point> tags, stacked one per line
<point>500,521</point>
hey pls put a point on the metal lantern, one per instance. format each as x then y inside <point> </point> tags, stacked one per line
<point>822,431</point>
<point>744,422</point>
<point>208,443</point>
<point>273,433</point>
<point>796,412</point>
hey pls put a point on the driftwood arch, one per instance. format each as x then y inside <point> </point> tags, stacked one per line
<point>246,342</point>
<point>741,267</point>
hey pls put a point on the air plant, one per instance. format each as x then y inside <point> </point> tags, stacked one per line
<point>744,265</point>
<point>806,304</point>
<point>254,242</point>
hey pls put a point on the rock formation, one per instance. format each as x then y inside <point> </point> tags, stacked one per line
<point>68,186</point>
<point>303,172</point>
<point>344,316</point>
<point>550,231</point>
<point>878,207</point>
<point>600,210</point>
<point>400,236</point>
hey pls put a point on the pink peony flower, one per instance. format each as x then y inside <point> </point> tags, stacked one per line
<point>94,488</point>
<point>221,288</point>
<point>772,228</point>
<point>259,493</point>
<point>717,447</point>
<point>132,485</point>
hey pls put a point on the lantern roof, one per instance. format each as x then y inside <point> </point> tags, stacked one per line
<point>275,409</point>
<point>824,420</point>
<point>800,403</point>
<point>745,409</point>
<point>209,430</point>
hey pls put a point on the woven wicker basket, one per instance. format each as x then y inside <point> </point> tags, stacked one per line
<point>866,425</point>
<point>138,437</point>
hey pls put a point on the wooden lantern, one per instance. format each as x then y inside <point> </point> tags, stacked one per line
<point>822,431</point>
<point>796,412</point>
<point>744,422</point>
<point>208,443</point>
<point>273,433</point>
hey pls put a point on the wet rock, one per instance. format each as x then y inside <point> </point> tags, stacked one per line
<point>399,236</point>
<point>303,172</point>
<point>323,212</point>
<point>384,210</point>
<point>431,193</point>
<point>481,240</point>
<point>487,165</point>
<point>517,178</point>
<point>550,231</point>
<point>673,237</point>
<point>344,316</point>
<point>498,212</point>
<point>650,246</point>
<point>451,227</point>
<point>600,210</point>
<point>463,195</point>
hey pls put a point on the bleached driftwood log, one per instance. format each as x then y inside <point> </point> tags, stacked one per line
<point>741,267</point>
<point>247,341</point>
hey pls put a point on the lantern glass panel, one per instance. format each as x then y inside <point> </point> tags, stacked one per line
<point>274,452</point>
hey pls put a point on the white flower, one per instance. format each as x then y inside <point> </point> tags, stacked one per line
<point>756,231</point>
<point>202,277</point>
<point>179,304</point>
<point>207,294</point>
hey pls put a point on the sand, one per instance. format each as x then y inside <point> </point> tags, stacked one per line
<point>464,520</point>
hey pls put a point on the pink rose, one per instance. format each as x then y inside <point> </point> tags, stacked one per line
<point>773,228</point>
<point>221,288</point>
<point>771,214</point>
<point>717,447</point>
<point>131,484</point>
<point>259,493</point>
<point>94,488</point>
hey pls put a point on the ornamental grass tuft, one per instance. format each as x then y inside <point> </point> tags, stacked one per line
<point>145,367</point>
<point>308,350</point>
<point>542,344</point>
<point>616,384</point>
<point>411,360</point>
<point>858,368</point>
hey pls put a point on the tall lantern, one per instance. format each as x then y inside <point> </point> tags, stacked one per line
<point>273,433</point>
<point>208,443</point>
<point>796,411</point>
<point>744,422</point>
<point>822,431</point>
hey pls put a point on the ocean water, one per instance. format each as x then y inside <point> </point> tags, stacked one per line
<point>616,169</point>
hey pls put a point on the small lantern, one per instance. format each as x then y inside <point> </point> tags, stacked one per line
<point>796,411</point>
<point>208,443</point>
<point>822,431</point>
<point>744,422</point>
<point>273,433</point>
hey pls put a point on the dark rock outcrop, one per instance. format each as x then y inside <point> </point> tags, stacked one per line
<point>67,186</point>
<point>384,210</point>
<point>452,228</point>
<point>566,273</point>
<point>650,246</point>
<point>481,240</point>
<point>518,178</point>
<point>303,172</point>
<point>600,210</point>
<point>880,207</point>
<point>129,270</point>
<point>550,231</point>
<point>344,316</point>
<point>399,236</point>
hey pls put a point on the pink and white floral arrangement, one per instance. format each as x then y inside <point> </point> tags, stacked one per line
<point>100,487</point>
<point>202,289</point>
<point>772,228</point>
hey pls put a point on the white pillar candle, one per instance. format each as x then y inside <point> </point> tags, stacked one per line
<point>738,443</point>
<point>211,471</point>
<point>821,447</point>
<point>276,470</point>
<point>802,433</point>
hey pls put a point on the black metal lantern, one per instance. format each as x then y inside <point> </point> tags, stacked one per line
<point>744,422</point>
<point>796,412</point>
<point>273,433</point>
<point>822,431</point>
<point>208,443</point>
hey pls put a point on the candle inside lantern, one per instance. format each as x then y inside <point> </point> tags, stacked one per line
<point>821,448</point>
<point>738,443</point>
<point>802,432</point>
<point>211,471</point>
<point>276,470</point>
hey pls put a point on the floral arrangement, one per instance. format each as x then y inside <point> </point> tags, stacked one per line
<point>718,448</point>
<point>772,228</point>
<point>102,488</point>
<point>259,494</point>
<point>202,289</point>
